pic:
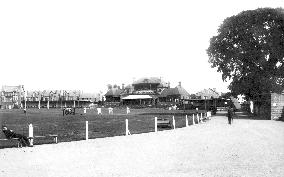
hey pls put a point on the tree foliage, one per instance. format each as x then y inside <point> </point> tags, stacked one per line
<point>249,51</point>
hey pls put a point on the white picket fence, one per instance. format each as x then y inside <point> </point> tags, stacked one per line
<point>199,119</point>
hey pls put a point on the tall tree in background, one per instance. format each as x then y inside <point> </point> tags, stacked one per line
<point>249,51</point>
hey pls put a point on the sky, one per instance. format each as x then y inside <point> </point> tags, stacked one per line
<point>86,45</point>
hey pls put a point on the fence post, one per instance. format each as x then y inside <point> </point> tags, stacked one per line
<point>174,122</point>
<point>126,127</point>
<point>85,110</point>
<point>156,126</point>
<point>193,121</point>
<point>87,130</point>
<point>201,118</point>
<point>31,134</point>
<point>186,121</point>
<point>197,116</point>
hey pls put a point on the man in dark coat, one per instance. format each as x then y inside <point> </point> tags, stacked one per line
<point>24,141</point>
<point>230,115</point>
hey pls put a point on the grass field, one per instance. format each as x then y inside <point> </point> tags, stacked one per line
<point>72,127</point>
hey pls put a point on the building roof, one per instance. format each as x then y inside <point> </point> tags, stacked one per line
<point>167,92</point>
<point>6,88</point>
<point>74,93</point>
<point>114,92</point>
<point>29,93</point>
<point>45,93</point>
<point>164,84</point>
<point>181,91</point>
<point>129,86</point>
<point>178,90</point>
<point>88,95</point>
<point>208,93</point>
<point>37,93</point>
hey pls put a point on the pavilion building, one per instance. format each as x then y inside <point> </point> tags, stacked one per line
<point>146,91</point>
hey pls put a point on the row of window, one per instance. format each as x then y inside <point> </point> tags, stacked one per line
<point>10,99</point>
<point>9,94</point>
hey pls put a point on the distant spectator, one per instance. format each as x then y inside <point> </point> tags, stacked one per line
<point>110,110</point>
<point>230,115</point>
<point>24,141</point>
<point>233,113</point>
<point>99,110</point>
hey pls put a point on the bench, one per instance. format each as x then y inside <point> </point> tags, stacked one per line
<point>163,122</point>
<point>54,137</point>
<point>205,116</point>
<point>18,142</point>
<point>202,118</point>
<point>208,115</point>
<point>48,135</point>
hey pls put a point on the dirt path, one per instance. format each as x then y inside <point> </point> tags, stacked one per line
<point>245,148</point>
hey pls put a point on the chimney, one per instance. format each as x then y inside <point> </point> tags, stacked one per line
<point>169,85</point>
<point>122,86</point>
<point>179,84</point>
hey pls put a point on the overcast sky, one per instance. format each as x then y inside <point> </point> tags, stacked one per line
<point>86,45</point>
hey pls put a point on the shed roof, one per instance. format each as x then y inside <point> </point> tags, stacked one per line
<point>135,97</point>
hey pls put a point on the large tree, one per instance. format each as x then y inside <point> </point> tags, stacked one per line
<point>249,51</point>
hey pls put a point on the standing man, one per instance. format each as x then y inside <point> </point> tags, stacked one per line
<point>230,115</point>
<point>233,113</point>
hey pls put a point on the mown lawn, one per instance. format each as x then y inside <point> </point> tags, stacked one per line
<point>72,127</point>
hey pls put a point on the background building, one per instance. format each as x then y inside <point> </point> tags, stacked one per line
<point>146,91</point>
<point>11,96</point>
<point>17,97</point>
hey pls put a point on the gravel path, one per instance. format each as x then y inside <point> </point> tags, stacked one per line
<point>214,148</point>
